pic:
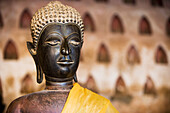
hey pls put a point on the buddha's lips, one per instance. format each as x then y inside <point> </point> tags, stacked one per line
<point>65,62</point>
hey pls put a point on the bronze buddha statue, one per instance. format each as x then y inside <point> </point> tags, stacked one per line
<point>57,32</point>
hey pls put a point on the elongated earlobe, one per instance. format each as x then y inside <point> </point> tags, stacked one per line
<point>39,74</point>
<point>75,78</point>
<point>32,51</point>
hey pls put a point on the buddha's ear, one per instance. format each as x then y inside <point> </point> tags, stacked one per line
<point>31,48</point>
<point>32,51</point>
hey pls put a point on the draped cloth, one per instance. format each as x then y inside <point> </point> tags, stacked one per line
<point>82,100</point>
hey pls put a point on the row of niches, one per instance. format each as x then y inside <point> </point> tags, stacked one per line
<point>10,53</point>
<point>120,87</point>
<point>132,56</point>
<point>158,3</point>
<point>27,85</point>
<point>121,92</point>
<point>116,25</point>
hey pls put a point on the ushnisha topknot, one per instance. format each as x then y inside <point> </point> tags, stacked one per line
<point>54,12</point>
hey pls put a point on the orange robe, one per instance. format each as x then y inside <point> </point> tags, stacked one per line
<point>82,100</point>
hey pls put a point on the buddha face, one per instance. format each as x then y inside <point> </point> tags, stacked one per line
<point>59,50</point>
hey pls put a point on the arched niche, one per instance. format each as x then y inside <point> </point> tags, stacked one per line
<point>168,27</point>
<point>88,23</point>
<point>133,56</point>
<point>129,1</point>
<point>116,24</point>
<point>144,26</point>
<point>120,86</point>
<point>161,56</point>
<point>10,51</point>
<point>27,85</point>
<point>1,21</point>
<point>91,84</point>
<point>103,54</point>
<point>25,19</point>
<point>156,3</point>
<point>149,87</point>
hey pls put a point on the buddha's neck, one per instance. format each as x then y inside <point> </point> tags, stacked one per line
<point>60,86</point>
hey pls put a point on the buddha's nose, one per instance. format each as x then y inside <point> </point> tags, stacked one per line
<point>65,50</point>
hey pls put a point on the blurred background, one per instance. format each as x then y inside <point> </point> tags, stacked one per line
<point>125,56</point>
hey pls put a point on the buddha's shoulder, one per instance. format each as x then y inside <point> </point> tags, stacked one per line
<point>31,96</point>
<point>32,100</point>
<point>18,103</point>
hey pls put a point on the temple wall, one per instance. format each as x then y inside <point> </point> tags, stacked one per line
<point>105,75</point>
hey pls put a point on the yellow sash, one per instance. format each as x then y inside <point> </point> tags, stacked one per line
<point>82,100</point>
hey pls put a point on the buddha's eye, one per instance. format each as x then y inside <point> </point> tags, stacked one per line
<point>53,41</point>
<point>74,41</point>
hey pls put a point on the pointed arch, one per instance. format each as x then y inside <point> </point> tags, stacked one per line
<point>149,87</point>
<point>144,26</point>
<point>133,56</point>
<point>161,56</point>
<point>88,23</point>
<point>120,86</point>
<point>103,54</point>
<point>1,21</point>
<point>129,1</point>
<point>168,27</point>
<point>25,19</point>
<point>27,84</point>
<point>116,24</point>
<point>157,3</point>
<point>91,84</point>
<point>10,51</point>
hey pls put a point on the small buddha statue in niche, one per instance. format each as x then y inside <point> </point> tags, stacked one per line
<point>57,32</point>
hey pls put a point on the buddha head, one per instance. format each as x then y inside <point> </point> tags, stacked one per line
<point>57,33</point>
